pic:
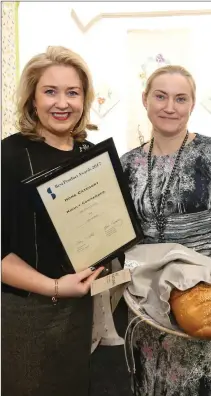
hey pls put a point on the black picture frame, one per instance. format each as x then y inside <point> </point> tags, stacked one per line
<point>106,146</point>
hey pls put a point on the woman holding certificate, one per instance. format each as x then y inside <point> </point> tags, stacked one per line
<point>170,182</point>
<point>46,311</point>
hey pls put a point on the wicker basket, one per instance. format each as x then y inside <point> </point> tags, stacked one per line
<point>132,303</point>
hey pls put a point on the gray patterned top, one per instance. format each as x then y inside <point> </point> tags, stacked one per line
<point>168,365</point>
<point>188,207</point>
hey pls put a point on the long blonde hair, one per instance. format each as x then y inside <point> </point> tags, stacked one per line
<point>171,69</point>
<point>55,55</point>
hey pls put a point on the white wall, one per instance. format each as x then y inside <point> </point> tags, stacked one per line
<point>105,48</point>
<point>46,23</point>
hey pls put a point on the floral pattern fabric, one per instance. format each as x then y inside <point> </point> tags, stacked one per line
<point>166,364</point>
<point>170,365</point>
<point>9,66</point>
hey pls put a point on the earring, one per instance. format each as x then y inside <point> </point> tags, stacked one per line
<point>35,111</point>
<point>140,135</point>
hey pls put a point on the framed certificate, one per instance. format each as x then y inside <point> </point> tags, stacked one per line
<point>90,207</point>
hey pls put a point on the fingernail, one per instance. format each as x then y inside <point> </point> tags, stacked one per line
<point>92,268</point>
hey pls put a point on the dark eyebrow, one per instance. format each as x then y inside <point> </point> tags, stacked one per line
<point>165,93</point>
<point>182,94</point>
<point>159,90</point>
<point>54,87</point>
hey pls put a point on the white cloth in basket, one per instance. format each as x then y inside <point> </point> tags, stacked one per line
<point>157,269</point>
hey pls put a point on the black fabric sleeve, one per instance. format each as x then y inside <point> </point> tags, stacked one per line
<point>9,200</point>
<point>5,243</point>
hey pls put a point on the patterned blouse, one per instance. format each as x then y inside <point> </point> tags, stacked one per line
<point>168,365</point>
<point>188,206</point>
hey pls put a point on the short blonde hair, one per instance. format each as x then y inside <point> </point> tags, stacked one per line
<point>55,55</point>
<point>171,69</point>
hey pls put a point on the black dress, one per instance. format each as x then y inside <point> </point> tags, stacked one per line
<point>45,348</point>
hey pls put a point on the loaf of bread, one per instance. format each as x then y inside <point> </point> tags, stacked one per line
<point>192,310</point>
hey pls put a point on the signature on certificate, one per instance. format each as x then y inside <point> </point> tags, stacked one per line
<point>113,225</point>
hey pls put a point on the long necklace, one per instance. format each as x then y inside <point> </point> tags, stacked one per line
<point>160,219</point>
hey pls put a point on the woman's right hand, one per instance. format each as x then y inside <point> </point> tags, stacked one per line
<point>77,285</point>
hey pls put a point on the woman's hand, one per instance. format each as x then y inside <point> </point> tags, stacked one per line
<point>17,273</point>
<point>77,285</point>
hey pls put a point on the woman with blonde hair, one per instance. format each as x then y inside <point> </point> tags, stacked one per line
<point>170,183</point>
<point>45,346</point>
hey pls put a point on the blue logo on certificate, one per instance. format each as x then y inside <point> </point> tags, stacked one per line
<point>49,191</point>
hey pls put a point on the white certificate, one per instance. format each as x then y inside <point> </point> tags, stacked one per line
<point>90,206</point>
<point>88,211</point>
